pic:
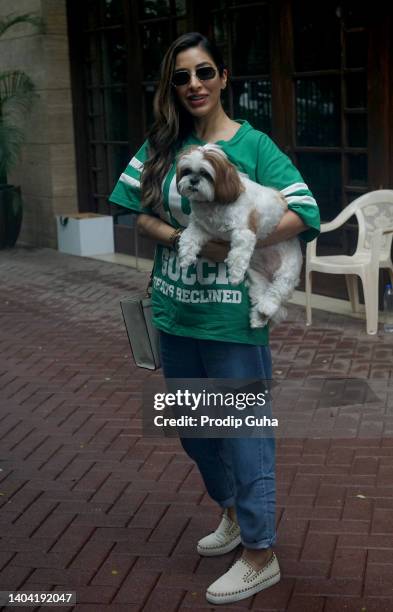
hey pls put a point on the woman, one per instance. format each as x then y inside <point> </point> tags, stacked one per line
<point>206,333</point>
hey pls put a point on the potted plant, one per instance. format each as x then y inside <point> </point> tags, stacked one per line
<point>16,96</point>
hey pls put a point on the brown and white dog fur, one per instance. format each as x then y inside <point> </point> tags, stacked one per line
<point>227,205</point>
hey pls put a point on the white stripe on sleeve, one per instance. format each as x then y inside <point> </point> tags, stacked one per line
<point>129,180</point>
<point>293,188</point>
<point>135,163</point>
<point>301,200</point>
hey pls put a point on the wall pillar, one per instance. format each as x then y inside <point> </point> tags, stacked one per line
<point>46,171</point>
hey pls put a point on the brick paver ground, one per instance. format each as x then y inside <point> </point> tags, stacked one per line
<point>89,505</point>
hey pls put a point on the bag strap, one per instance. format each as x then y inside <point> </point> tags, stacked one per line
<point>149,285</point>
<point>150,282</point>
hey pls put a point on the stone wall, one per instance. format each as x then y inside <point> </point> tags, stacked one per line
<point>46,171</point>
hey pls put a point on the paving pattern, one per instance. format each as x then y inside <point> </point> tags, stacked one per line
<point>88,505</point>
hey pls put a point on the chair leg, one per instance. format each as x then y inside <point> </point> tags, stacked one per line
<point>353,291</point>
<point>308,297</point>
<point>370,282</point>
<point>391,275</point>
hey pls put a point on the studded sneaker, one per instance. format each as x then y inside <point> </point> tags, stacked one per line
<point>224,539</point>
<point>242,580</point>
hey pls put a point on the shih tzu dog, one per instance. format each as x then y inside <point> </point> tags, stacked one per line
<point>227,205</point>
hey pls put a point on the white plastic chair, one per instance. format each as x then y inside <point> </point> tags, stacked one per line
<point>374,213</point>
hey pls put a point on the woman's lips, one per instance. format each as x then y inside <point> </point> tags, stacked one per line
<point>199,101</point>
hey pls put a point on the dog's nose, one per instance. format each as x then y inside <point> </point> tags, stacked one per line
<point>194,180</point>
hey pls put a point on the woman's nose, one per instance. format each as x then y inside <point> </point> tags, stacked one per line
<point>194,81</point>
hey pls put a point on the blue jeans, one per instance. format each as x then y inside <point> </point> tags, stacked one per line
<point>237,472</point>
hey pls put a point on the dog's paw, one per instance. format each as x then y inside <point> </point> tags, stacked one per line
<point>184,264</point>
<point>268,308</point>
<point>257,319</point>
<point>236,268</point>
<point>186,258</point>
<point>235,276</point>
<point>236,273</point>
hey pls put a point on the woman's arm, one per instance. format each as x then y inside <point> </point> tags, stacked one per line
<point>217,250</point>
<point>290,225</point>
<point>155,228</point>
<point>158,230</point>
<point>162,232</point>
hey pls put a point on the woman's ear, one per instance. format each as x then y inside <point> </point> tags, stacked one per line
<point>224,78</point>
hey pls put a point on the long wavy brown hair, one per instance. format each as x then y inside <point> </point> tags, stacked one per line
<point>172,124</point>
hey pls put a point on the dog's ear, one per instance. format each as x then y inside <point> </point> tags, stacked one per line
<point>180,161</point>
<point>228,186</point>
<point>179,173</point>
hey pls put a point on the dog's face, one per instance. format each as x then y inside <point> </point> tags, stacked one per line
<point>204,174</point>
<point>195,176</point>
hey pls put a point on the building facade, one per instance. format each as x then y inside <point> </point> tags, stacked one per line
<point>317,77</point>
<point>46,171</point>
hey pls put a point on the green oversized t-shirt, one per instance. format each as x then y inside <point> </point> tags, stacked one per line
<point>200,302</point>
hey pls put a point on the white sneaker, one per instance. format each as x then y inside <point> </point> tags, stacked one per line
<point>224,539</point>
<point>243,581</point>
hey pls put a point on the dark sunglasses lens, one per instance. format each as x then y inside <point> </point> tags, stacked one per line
<point>206,73</point>
<point>181,78</point>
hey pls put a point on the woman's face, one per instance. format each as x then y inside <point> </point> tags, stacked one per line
<point>199,98</point>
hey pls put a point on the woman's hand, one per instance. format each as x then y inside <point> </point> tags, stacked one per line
<point>156,229</point>
<point>216,250</point>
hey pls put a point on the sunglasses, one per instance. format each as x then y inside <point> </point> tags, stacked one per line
<point>183,77</point>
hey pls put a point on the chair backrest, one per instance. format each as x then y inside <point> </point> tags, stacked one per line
<point>373,210</point>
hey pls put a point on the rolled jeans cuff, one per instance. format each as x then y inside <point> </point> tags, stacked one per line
<point>227,503</point>
<point>265,543</point>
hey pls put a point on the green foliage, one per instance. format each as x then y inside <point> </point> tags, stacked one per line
<point>11,20</point>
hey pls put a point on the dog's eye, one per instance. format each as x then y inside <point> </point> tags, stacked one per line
<point>186,171</point>
<point>204,174</point>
